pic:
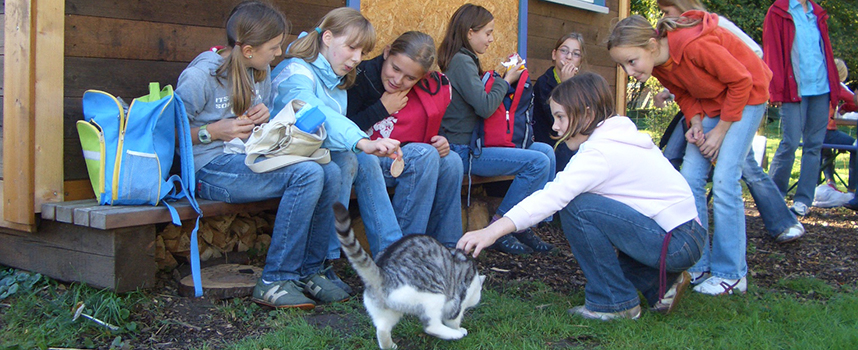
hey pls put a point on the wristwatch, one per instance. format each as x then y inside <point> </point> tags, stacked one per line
<point>204,135</point>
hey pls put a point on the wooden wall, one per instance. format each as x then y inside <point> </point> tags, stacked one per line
<point>120,46</point>
<point>548,21</point>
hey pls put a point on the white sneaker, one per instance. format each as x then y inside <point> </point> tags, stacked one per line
<point>799,208</point>
<point>698,277</point>
<point>792,233</point>
<point>722,286</point>
<point>828,196</point>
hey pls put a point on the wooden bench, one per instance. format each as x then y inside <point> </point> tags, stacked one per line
<point>110,246</point>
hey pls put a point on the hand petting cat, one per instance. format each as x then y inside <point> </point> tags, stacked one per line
<point>481,239</point>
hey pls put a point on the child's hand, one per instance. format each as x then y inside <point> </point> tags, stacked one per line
<point>481,239</point>
<point>662,97</point>
<point>440,143</point>
<point>714,138</point>
<point>511,76</point>
<point>258,114</point>
<point>383,147</point>
<point>230,128</point>
<point>695,133</point>
<point>395,101</point>
<point>568,71</point>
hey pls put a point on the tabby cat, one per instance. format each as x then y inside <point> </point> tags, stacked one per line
<point>416,275</point>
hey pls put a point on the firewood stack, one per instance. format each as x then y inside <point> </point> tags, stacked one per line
<point>217,235</point>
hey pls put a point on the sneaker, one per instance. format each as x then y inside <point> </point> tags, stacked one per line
<point>328,271</point>
<point>698,277</point>
<point>531,240</point>
<point>853,204</point>
<point>828,196</point>
<point>322,289</point>
<point>510,245</point>
<point>793,233</point>
<point>799,208</point>
<point>582,311</point>
<point>722,286</point>
<point>668,302</point>
<point>281,294</point>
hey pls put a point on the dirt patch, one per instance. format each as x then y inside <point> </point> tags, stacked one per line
<point>827,252</point>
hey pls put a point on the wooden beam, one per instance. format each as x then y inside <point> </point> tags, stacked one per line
<point>49,111</point>
<point>18,130</point>
<point>622,79</point>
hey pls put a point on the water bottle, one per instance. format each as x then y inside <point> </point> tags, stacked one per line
<point>309,119</point>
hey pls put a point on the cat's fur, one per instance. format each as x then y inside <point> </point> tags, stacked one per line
<point>416,275</point>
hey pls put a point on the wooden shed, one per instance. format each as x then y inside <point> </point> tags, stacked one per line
<point>54,50</point>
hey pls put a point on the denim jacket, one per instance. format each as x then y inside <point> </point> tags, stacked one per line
<point>316,83</point>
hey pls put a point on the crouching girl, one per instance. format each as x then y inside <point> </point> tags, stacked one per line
<point>628,214</point>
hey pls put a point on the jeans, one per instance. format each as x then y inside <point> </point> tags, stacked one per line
<point>305,219</point>
<point>770,203</point>
<point>618,249</point>
<point>348,164</point>
<point>727,256</point>
<point>837,137</point>
<point>531,167</point>
<point>428,197</point>
<point>803,121</point>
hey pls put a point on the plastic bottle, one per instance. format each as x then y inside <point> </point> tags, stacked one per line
<point>309,119</point>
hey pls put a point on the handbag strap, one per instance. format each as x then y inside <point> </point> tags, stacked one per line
<point>321,156</point>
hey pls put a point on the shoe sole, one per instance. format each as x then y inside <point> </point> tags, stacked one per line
<point>680,292</point>
<point>305,306</point>
<point>788,240</point>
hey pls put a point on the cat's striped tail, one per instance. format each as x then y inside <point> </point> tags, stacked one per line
<point>361,261</point>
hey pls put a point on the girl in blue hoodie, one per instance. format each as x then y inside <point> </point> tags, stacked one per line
<point>318,69</point>
<point>226,93</point>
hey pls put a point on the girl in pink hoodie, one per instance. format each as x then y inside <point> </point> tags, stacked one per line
<point>628,214</point>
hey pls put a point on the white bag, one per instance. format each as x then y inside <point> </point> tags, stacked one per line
<point>283,144</point>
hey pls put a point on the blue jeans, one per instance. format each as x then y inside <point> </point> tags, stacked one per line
<point>770,203</point>
<point>531,167</point>
<point>727,256</point>
<point>348,164</point>
<point>618,249</point>
<point>305,219</point>
<point>803,121</point>
<point>428,197</point>
<point>837,137</point>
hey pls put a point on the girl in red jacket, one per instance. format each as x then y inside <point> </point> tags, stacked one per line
<point>722,88</point>
<point>804,84</point>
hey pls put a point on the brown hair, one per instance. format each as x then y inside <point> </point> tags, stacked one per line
<point>683,5</point>
<point>467,17</point>
<point>635,31</point>
<point>250,23</point>
<point>587,100</point>
<point>417,46</point>
<point>339,21</point>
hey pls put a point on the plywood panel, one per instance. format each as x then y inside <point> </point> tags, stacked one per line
<point>394,17</point>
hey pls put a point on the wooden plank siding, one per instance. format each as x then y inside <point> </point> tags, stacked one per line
<point>548,21</point>
<point>119,47</point>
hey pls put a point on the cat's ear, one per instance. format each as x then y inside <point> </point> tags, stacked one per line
<point>482,279</point>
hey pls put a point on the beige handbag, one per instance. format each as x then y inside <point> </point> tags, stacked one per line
<point>283,144</point>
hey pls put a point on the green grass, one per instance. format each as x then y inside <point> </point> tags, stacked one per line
<point>536,318</point>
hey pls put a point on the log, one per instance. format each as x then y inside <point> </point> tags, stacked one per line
<point>223,281</point>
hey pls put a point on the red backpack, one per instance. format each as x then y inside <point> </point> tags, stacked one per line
<point>499,128</point>
<point>420,119</point>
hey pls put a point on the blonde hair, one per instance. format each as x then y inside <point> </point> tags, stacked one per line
<point>635,31</point>
<point>587,100</point>
<point>683,5</point>
<point>577,37</point>
<point>250,23</point>
<point>340,21</point>
<point>842,71</point>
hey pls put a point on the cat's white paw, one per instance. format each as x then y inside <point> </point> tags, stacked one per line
<point>447,333</point>
<point>463,330</point>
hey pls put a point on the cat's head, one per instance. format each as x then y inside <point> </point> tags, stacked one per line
<point>475,292</point>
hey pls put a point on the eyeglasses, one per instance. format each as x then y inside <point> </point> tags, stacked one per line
<point>566,52</point>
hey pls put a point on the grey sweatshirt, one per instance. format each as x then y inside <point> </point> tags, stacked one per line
<point>207,100</point>
<point>470,102</point>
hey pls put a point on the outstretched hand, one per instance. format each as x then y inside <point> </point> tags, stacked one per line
<point>478,240</point>
<point>383,147</point>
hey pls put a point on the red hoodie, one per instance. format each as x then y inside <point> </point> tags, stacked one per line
<point>711,71</point>
<point>778,37</point>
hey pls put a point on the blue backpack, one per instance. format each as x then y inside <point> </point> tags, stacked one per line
<point>519,101</point>
<point>129,153</point>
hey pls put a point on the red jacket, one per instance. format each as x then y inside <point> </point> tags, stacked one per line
<point>848,105</point>
<point>420,119</point>
<point>711,71</point>
<point>778,37</point>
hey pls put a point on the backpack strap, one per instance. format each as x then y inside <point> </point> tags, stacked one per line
<point>321,156</point>
<point>519,87</point>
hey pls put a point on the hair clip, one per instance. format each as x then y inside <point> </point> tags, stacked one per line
<point>318,30</point>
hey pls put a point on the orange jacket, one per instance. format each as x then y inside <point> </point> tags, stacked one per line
<point>711,71</point>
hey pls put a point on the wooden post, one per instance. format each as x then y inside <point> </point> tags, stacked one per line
<point>622,78</point>
<point>32,134</point>
<point>18,132</point>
